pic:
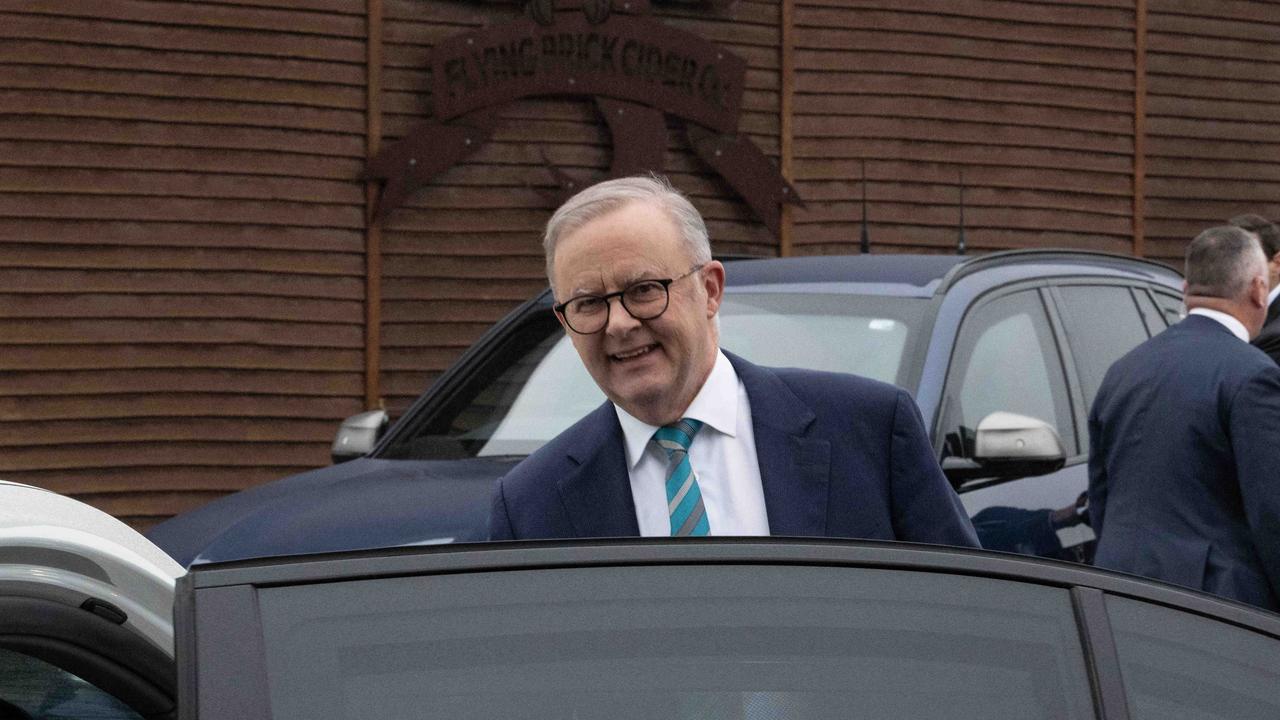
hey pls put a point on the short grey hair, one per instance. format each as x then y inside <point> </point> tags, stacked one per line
<point>1222,262</point>
<point>605,197</point>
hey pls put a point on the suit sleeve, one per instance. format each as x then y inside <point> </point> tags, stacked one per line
<point>1269,343</point>
<point>499,519</point>
<point>926,508</point>
<point>1255,442</point>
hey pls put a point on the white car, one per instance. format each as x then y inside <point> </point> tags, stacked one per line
<point>704,629</point>
<point>86,613</point>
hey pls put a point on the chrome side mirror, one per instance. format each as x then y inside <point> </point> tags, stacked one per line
<point>1007,446</point>
<point>358,434</point>
<point>1009,436</point>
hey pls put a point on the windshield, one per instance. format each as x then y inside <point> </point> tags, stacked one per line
<point>547,389</point>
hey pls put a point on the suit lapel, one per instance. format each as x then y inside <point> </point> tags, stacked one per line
<point>597,492</point>
<point>794,469</point>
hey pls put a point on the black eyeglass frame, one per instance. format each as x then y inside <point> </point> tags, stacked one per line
<point>622,300</point>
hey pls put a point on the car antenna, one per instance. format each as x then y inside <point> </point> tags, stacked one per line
<point>960,242</point>
<point>865,241</point>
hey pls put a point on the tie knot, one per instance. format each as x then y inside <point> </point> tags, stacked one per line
<point>678,436</point>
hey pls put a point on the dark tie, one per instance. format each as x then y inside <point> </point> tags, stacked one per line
<point>684,498</point>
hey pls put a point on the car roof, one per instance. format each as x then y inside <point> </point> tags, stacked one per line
<point>926,275</point>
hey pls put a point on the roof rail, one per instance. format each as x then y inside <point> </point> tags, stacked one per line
<point>1015,257</point>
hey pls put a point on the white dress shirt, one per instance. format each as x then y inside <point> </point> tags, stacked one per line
<point>723,457</point>
<point>1236,327</point>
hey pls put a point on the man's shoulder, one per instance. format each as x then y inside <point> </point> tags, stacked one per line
<point>1268,341</point>
<point>1194,348</point>
<point>556,456</point>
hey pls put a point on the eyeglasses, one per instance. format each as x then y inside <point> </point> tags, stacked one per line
<point>643,300</point>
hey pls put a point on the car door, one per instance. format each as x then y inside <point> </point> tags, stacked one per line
<point>1007,358</point>
<point>85,613</point>
<point>1102,322</point>
<point>721,629</point>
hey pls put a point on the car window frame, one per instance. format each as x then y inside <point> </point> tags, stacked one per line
<point>1159,293</point>
<point>1057,334</point>
<point>531,323</point>
<point>1079,402</point>
<point>221,600</point>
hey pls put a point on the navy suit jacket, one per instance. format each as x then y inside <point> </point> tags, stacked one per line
<point>839,456</point>
<point>1184,464</point>
<point>1268,341</point>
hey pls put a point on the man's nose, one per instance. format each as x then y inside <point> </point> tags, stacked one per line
<point>620,321</point>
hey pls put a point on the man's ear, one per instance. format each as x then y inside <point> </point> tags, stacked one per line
<point>1258,291</point>
<point>713,282</point>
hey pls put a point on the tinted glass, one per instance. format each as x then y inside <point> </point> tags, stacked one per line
<point>546,389</point>
<point>697,642</point>
<point>1006,359</point>
<point>1179,666</point>
<point>1102,324</point>
<point>45,692</point>
<point>1172,307</point>
<point>1152,316</point>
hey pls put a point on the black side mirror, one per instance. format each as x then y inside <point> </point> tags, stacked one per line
<point>358,434</point>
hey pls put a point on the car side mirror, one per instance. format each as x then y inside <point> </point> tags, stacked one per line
<point>1006,446</point>
<point>358,434</point>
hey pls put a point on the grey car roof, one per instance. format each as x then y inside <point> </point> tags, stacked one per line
<point>924,275</point>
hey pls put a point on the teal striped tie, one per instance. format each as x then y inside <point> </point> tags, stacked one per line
<point>684,499</point>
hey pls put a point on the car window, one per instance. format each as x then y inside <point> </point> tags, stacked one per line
<point>1152,316</point>
<point>41,691</point>
<point>1006,359</point>
<point>700,642</point>
<point>545,389</point>
<point>1179,666</point>
<point>1172,306</point>
<point>1095,344</point>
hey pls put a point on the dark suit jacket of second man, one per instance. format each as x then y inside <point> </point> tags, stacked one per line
<point>839,456</point>
<point>1184,471</point>
<point>1268,341</point>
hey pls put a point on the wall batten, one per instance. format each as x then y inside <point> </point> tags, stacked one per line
<point>373,231</point>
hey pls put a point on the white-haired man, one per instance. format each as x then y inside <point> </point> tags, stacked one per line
<point>694,440</point>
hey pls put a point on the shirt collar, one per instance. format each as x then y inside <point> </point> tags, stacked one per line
<point>1236,327</point>
<point>716,405</point>
<point>1275,292</point>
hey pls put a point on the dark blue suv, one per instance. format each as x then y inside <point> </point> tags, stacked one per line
<point>1002,352</point>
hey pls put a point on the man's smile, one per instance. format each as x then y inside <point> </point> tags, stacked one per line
<point>630,355</point>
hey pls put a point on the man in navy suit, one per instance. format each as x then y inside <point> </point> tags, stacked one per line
<point>1184,464</point>
<point>1268,339</point>
<point>694,440</point>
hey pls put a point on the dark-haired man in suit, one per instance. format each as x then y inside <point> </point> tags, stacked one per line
<point>1268,339</point>
<point>1184,463</point>
<point>694,440</point>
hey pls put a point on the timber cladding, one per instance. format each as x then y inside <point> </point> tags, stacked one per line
<point>184,244</point>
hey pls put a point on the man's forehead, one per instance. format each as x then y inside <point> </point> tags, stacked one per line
<point>620,274</point>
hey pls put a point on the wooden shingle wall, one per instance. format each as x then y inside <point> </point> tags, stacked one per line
<point>181,244</point>
<point>1213,118</point>
<point>182,220</point>
<point>1031,101</point>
